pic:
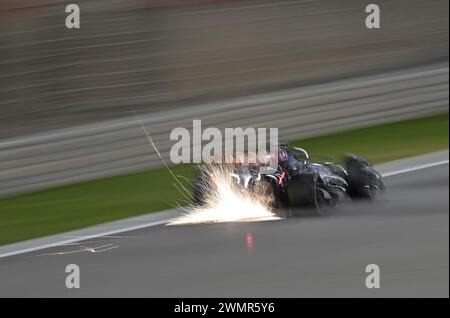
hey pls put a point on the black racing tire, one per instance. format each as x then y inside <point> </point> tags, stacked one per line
<point>301,190</point>
<point>360,179</point>
<point>375,187</point>
<point>364,186</point>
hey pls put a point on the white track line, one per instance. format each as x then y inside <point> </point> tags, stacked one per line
<point>147,225</point>
<point>419,167</point>
<point>84,238</point>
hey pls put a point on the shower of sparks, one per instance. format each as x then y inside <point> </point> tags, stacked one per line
<point>226,201</point>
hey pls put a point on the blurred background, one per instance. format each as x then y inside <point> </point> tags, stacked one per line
<point>307,67</point>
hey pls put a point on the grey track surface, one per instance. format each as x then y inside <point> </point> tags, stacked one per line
<point>406,234</point>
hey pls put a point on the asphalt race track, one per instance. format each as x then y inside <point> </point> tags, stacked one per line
<point>406,234</point>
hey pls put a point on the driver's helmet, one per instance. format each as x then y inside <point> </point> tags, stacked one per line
<point>282,155</point>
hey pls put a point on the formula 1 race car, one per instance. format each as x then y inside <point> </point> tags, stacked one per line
<point>300,183</point>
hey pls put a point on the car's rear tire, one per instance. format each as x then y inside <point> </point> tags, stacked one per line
<point>305,197</point>
<point>300,191</point>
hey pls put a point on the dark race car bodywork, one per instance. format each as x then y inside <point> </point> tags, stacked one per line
<point>300,183</point>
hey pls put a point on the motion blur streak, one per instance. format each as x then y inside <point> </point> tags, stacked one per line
<point>170,56</point>
<point>227,202</point>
